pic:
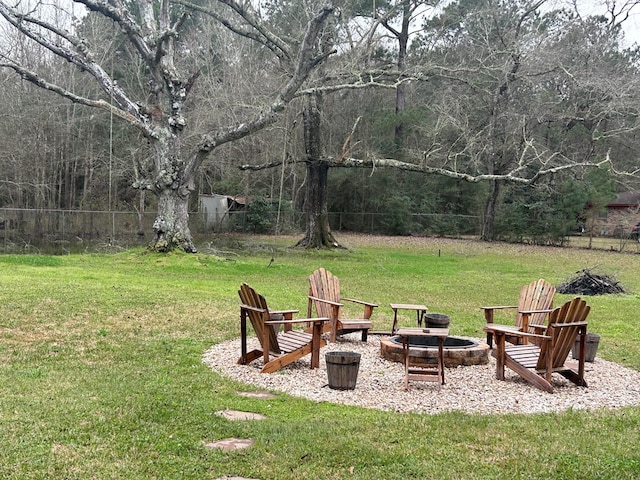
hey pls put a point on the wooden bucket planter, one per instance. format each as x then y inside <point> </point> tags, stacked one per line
<point>342,369</point>
<point>436,320</point>
<point>590,347</point>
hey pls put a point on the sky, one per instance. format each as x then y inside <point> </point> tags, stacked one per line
<point>631,26</point>
<point>632,30</point>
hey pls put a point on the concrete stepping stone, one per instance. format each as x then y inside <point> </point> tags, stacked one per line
<point>235,478</point>
<point>230,444</point>
<point>257,394</point>
<point>235,415</point>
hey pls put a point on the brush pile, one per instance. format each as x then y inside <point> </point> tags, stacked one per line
<point>589,283</point>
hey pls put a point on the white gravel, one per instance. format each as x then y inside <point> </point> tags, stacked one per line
<point>472,389</point>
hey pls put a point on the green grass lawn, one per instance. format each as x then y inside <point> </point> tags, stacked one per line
<point>101,374</point>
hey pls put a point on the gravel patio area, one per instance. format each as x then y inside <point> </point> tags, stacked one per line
<point>470,389</point>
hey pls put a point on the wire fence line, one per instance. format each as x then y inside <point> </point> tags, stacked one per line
<point>57,231</point>
<point>22,228</point>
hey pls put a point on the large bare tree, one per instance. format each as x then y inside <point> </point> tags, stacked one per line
<point>519,77</point>
<point>355,67</point>
<point>516,96</point>
<point>153,33</point>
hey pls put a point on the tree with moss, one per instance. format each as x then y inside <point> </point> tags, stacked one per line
<point>162,41</point>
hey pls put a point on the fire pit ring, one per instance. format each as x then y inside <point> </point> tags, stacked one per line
<point>458,351</point>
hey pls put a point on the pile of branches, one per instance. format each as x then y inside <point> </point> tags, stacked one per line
<point>589,283</point>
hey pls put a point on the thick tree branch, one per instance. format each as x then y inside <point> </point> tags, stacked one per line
<point>81,56</point>
<point>121,16</point>
<point>373,163</point>
<point>359,82</point>
<point>118,112</point>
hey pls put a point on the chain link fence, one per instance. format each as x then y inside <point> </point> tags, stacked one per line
<point>61,231</point>
<point>70,231</point>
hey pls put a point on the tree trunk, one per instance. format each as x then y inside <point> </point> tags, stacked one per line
<point>141,201</point>
<point>173,187</point>
<point>489,219</point>
<point>171,226</point>
<point>403,42</point>
<point>318,232</point>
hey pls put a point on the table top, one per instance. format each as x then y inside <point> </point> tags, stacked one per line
<point>407,306</point>
<point>423,332</point>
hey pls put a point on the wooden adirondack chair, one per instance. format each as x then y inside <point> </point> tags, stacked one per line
<point>536,364</point>
<point>534,304</point>
<point>324,294</point>
<point>285,347</point>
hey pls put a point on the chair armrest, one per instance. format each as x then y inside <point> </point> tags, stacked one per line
<point>244,306</point>
<point>527,313</point>
<point>284,312</point>
<point>568,324</point>
<point>502,329</point>
<point>530,312</point>
<point>499,307</point>
<point>505,331</point>
<point>488,311</point>
<point>298,320</point>
<point>361,302</point>
<point>283,316</point>
<point>538,328</point>
<point>324,300</point>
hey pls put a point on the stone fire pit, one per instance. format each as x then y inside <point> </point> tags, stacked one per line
<point>458,351</point>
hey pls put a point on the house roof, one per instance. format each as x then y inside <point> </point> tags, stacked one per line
<point>626,199</point>
<point>238,200</point>
<point>232,198</point>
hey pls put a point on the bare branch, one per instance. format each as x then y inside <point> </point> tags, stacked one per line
<point>123,18</point>
<point>80,56</point>
<point>347,142</point>
<point>306,61</point>
<point>256,32</point>
<point>510,177</point>
<point>39,82</point>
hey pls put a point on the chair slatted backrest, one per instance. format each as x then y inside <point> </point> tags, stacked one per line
<point>573,311</point>
<point>248,296</point>
<point>323,284</point>
<point>537,295</point>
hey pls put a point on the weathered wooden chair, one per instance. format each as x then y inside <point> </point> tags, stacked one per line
<point>285,346</point>
<point>536,364</point>
<point>534,304</point>
<point>324,294</point>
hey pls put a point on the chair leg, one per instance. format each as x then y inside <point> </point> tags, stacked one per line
<point>488,317</point>
<point>490,340</point>
<point>500,357</point>
<point>315,345</point>
<point>364,335</point>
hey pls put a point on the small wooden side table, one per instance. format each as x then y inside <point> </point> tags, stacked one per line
<point>420,311</point>
<point>424,374</point>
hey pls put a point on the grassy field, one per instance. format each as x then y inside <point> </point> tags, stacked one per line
<point>101,374</point>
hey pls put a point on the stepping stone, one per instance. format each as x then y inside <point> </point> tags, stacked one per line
<point>229,444</point>
<point>235,478</point>
<point>257,394</point>
<point>234,415</point>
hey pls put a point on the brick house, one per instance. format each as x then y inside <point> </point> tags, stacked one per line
<point>622,214</point>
